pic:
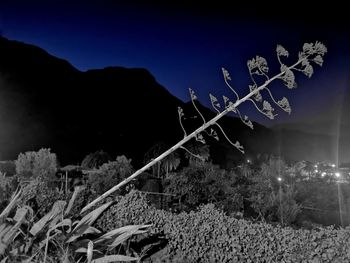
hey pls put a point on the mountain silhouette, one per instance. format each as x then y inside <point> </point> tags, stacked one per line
<point>46,102</point>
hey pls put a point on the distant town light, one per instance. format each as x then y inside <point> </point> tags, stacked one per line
<point>337,174</point>
<point>248,161</point>
<point>333,165</point>
<point>323,174</point>
<point>316,171</point>
<point>315,165</point>
<point>279,179</point>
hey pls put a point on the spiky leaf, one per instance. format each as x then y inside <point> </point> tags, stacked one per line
<point>114,258</point>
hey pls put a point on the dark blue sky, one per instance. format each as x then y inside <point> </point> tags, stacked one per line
<point>184,44</point>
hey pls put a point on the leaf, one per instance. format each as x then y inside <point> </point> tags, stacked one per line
<point>267,108</point>
<point>200,138</point>
<point>225,100</point>
<point>192,94</point>
<point>77,190</point>
<point>65,222</point>
<point>320,49</point>
<point>14,199</point>
<point>308,70</point>
<point>55,213</point>
<point>251,64</point>
<point>87,221</point>
<point>318,60</point>
<point>114,258</point>
<point>214,134</point>
<point>281,51</point>
<point>262,64</point>
<point>308,48</point>
<point>226,74</point>
<point>180,111</point>
<point>230,105</point>
<point>284,104</point>
<point>239,146</point>
<point>257,95</point>
<point>248,122</point>
<point>288,77</point>
<point>115,232</point>
<point>89,251</point>
<point>214,101</point>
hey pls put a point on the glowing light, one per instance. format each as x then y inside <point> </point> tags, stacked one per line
<point>316,171</point>
<point>323,174</point>
<point>333,165</point>
<point>279,179</point>
<point>248,161</point>
<point>337,174</point>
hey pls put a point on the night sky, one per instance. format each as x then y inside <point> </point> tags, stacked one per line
<point>184,44</point>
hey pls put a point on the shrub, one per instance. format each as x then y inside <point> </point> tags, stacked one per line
<point>109,174</point>
<point>202,183</point>
<point>209,235</point>
<point>41,164</point>
<point>96,159</point>
<point>40,196</point>
<point>8,168</point>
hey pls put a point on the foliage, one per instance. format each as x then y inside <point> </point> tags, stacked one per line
<point>8,168</point>
<point>201,183</point>
<point>208,235</point>
<point>41,164</point>
<point>272,199</point>
<point>8,185</point>
<point>96,159</point>
<point>110,174</point>
<point>170,163</point>
<point>258,70</point>
<point>55,237</point>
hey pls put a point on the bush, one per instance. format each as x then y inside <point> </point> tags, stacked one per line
<point>41,164</point>
<point>208,235</point>
<point>8,168</point>
<point>40,196</point>
<point>202,183</point>
<point>109,174</point>
<point>96,159</point>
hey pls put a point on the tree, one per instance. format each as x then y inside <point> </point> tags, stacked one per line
<point>96,159</point>
<point>30,165</point>
<point>273,192</point>
<point>202,183</point>
<point>258,70</point>
<point>109,174</point>
<point>168,164</point>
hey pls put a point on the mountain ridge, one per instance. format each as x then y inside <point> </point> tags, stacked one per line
<point>46,102</point>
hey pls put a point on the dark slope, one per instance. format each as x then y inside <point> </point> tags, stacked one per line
<point>46,102</point>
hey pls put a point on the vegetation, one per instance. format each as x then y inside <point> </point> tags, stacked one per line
<point>96,159</point>
<point>41,223</point>
<point>209,235</point>
<point>41,164</point>
<point>258,70</point>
